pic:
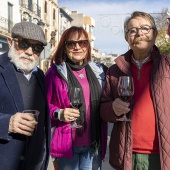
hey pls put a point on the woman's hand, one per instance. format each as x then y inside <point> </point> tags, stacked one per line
<point>120,107</point>
<point>69,114</point>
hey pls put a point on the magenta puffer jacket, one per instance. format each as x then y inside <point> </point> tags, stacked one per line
<point>56,89</point>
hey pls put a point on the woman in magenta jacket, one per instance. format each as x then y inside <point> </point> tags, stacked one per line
<point>82,148</point>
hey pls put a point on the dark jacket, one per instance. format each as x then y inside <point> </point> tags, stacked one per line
<point>121,136</point>
<point>13,146</point>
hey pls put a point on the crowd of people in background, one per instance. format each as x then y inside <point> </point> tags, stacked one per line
<point>74,132</point>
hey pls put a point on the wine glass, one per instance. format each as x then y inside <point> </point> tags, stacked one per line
<point>75,102</point>
<point>125,90</point>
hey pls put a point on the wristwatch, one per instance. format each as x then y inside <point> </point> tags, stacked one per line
<point>57,114</point>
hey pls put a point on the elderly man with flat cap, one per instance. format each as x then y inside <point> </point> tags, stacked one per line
<point>24,141</point>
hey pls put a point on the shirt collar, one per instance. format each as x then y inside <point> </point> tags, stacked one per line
<point>35,69</point>
<point>140,64</point>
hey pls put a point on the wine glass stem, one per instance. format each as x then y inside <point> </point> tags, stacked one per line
<point>124,116</point>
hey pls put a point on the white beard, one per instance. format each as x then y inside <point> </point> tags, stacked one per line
<point>24,62</point>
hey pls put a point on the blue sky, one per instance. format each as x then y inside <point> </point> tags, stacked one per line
<point>109,16</point>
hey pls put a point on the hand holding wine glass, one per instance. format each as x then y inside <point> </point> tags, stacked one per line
<point>125,90</point>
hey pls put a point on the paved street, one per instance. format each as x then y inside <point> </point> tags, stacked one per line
<point>105,165</point>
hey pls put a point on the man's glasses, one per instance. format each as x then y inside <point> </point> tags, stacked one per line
<point>81,43</point>
<point>23,44</point>
<point>134,30</point>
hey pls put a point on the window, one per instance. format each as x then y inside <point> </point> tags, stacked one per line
<point>45,7</point>
<point>53,14</point>
<point>30,5</point>
<point>10,17</point>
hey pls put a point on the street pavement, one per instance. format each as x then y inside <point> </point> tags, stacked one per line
<point>105,164</point>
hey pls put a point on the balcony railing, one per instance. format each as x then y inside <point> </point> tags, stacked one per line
<point>5,25</point>
<point>31,7</point>
<point>37,9</point>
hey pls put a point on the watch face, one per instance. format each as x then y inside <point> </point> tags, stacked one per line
<point>56,115</point>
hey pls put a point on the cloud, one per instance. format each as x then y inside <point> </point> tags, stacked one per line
<point>109,18</point>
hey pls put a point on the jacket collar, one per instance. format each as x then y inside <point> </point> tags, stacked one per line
<point>124,60</point>
<point>95,66</point>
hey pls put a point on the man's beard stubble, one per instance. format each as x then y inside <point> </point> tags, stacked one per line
<point>24,65</point>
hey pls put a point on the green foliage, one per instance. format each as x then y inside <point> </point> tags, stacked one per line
<point>163,40</point>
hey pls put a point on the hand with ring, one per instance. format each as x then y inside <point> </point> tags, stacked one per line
<point>71,118</point>
<point>69,114</point>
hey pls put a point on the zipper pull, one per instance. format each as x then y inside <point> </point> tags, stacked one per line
<point>138,76</point>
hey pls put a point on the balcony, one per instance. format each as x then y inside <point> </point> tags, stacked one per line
<point>31,7</point>
<point>5,26</point>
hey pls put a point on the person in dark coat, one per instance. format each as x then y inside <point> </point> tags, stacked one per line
<point>24,141</point>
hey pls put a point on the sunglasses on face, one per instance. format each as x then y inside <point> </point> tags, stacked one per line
<point>24,45</point>
<point>81,43</point>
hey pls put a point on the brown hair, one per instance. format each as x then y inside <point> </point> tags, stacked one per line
<point>139,14</point>
<point>60,54</point>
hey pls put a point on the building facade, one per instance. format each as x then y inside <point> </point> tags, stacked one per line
<point>9,14</point>
<point>64,20</point>
<point>50,18</point>
<point>46,13</point>
<point>30,10</point>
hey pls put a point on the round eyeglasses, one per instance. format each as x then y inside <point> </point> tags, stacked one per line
<point>144,29</point>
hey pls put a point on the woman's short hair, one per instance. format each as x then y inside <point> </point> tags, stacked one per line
<point>60,54</point>
<point>139,14</point>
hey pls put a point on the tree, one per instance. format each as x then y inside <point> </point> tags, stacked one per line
<point>163,40</point>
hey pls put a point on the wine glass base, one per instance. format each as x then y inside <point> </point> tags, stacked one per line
<point>124,119</point>
<point>75,125</point>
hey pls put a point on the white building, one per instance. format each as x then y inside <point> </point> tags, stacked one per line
<point>64,20</point>
<point>9,15</point>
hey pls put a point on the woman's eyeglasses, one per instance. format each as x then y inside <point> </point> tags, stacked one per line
<point>23,44</point>
<point>81,43</point>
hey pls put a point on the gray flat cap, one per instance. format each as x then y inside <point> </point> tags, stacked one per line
<point>28,30</point>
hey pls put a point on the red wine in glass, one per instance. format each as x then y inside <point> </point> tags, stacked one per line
<point>76,104</point>
<point>125,98</point>
<point>125,90</point>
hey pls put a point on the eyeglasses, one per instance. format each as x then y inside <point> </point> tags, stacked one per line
<point>24,45</point>
<point>81,43</point>
<point>144,29</point>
